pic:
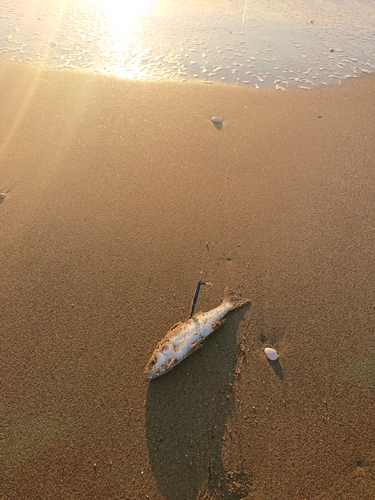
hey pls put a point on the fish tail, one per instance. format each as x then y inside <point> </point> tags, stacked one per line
<point>235,300</point>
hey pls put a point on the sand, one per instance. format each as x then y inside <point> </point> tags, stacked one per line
<point>118,194</point>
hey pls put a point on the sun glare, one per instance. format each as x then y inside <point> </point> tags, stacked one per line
<point>121,19</point>
<point>123,15</point>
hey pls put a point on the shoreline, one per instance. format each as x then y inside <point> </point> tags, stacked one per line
<point>333,82</point>
<point>119,193</point>
<point>259,44</point>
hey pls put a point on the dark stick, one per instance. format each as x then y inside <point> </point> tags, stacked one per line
<point>195,298</point>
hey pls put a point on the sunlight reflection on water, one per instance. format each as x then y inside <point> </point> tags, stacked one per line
<point>280,44</point>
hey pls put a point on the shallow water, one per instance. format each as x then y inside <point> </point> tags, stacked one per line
<point>260,43</point>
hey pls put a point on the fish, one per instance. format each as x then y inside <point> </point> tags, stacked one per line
<point>186,337</point>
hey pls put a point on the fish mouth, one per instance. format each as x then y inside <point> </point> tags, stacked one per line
<point>151,373</point>
<point>151,370</point>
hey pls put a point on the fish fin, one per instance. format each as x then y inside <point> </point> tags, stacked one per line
<point>234,300</point>
<point>171,362</point>
<point>176,325</point>
<point>218,323</point>
<point>197,345</point>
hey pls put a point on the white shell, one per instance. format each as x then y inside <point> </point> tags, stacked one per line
<point>271,353</point>
<point>216,119</point>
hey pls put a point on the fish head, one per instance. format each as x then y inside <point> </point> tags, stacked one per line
<point>160,362</point>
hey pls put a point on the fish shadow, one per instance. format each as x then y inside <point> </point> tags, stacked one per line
<point>186,413</point>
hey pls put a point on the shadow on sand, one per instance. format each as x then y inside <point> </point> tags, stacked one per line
<point>277,368</point>
<point>187,410</point>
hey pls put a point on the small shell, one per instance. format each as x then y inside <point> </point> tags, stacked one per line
<point>2,196</point>
<point>271,353</point>
<point>216,119</point>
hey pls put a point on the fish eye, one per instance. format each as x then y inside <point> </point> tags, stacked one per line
<point>153,362</point>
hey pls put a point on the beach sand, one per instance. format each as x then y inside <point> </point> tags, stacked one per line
<point>118,194</point>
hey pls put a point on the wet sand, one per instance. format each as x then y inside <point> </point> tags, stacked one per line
<point>118,194</point>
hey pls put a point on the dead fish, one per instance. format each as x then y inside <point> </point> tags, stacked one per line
<point>186,337</point>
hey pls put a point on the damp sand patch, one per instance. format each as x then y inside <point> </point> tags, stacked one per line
<point>360,372</point>
<point>25,439</point>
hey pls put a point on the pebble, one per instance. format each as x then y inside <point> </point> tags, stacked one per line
<point>216,119</point>
<point>271,353</point>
